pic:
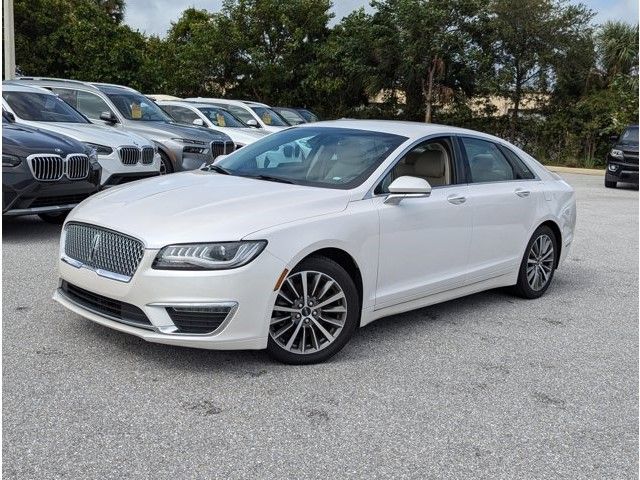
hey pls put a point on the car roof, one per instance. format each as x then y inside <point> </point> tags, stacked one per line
<point>63,82</point>
<point>395,127</point>
<point>239,103</point>
<point>185,103</point>
<point>12,86</point>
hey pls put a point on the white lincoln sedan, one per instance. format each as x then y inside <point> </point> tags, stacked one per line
<point>294,241</point>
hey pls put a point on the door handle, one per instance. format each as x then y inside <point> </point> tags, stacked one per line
<point>521,192</point>
<point>456,199</point>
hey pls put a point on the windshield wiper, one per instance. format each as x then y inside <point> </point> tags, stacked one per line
<point>269,178</point>
<point>217,169</point>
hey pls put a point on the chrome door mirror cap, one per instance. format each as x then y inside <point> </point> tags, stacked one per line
<point>199,122</point>
<point>407,187</point>
<point>253,123</point>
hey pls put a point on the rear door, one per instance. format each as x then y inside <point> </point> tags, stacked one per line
<point>503,195</point>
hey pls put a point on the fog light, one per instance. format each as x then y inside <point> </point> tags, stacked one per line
<point>613,167</point>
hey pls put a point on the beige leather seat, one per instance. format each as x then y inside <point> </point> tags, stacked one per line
<point>428,164</point>
<point>351,161</point>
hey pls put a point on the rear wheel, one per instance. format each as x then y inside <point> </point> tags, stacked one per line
<point>610,183</point>
<point>538,265</point>
<point>316,312</point>
<point>55,218</point>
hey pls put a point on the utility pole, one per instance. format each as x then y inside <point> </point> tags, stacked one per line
<point>9,40</point>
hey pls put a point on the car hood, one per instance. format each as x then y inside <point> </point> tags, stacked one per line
<point>245,136</point>
<point>199,206</point>
<point>89,132</point>
<point>23,140</point>
<point>164,130</point>
<point>630,147</point>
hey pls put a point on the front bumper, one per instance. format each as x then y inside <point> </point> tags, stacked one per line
<point>24,195</point>
<point>249,288</point>
<point>622,170</point>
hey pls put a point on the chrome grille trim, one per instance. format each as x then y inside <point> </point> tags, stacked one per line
<point>46,167</point>
<point>221,148</point>
<point>110,254</point>
<point>77,166</point>
<point>129,155</point>
<point>147,155</point>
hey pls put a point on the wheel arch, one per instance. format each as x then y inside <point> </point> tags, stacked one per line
<point>345,260</point>
<point>555,228</point>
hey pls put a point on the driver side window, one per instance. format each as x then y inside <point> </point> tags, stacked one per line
<point>431,160</point>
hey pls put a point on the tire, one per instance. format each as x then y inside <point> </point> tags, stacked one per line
<point>534,285</point>
<point>318,333</point>
<point>54,218</point>
<point>610,183</point>
<point>166,166</point>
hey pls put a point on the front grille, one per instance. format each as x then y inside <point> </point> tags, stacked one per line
<point>77,167</point>
<point>50,168</point>
<point>147,155</point>
<point>631,157</point>
<point>221,148</point>
<point>46,167</point>
<point>129,155</point>
<point>59,200</point>
<point>197,319</point>
<point>103,249</point>
<point>107,307</point>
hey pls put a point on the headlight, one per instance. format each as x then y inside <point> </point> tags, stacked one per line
<point>101,149</point>
<point>615,153</point>
<point>208,256</point>
<point>93,156</point>
<point>10,160</point>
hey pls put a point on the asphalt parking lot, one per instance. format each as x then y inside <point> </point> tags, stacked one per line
<point>489,386</point>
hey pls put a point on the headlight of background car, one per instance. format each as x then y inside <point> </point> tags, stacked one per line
<point>208,256</point>
<point>93,156</point>
<point>615,153</point>
<point>101,149</point>
<point>189,148</point>
<point>10,160</point>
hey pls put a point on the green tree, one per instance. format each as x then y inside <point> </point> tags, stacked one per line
<point>617,44</point>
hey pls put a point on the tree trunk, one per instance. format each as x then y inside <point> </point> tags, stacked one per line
<point>427,90</point>
<point>516,103</point>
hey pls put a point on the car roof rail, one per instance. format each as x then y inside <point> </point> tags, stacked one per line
<point>53,79</point>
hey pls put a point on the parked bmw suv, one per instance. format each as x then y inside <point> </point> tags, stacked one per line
<point>124,156</point>
<point>122,108</point>
<point>622,159</point>
<point>43,173</point>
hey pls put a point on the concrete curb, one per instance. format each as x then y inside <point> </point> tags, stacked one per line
<point>582,171</point>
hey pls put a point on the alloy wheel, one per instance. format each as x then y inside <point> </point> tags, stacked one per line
<point>540,262</point>
<point>309,314</point>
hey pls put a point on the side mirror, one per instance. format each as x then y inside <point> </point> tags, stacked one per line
<point>407,187</point>
<point>199,122</point>
<point>614,138</point>
<point>108,117</point>
<point>253,123</point>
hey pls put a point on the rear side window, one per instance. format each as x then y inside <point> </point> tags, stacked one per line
<point>489,162</point>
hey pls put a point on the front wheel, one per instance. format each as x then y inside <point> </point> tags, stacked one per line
<point>538,265</point>
<point>316,312</point>
<point>166,166</point>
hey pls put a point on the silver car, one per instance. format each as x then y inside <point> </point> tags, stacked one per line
<point>181,147</point>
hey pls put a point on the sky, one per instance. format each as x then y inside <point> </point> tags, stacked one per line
<point>155,16</point>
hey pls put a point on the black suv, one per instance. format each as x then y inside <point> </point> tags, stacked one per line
<point>44,173</point>
<point>622,160</point>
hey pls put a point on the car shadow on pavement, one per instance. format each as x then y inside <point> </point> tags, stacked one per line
<point>16,229</point>
<point>383,333</point>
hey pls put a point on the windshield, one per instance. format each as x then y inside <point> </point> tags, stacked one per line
<point>324,157</point>
<point>308,116</point>
<point>42,107</point>
<point>134,106</point>
<point>291,116</point>
<point>270,117</point>
<point>630,135</point>
<point>221,118</point>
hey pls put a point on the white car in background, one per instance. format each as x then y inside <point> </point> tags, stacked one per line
<point>376,218</point>
<point>254,114</point>
<point>213,117</point>
<point>124,156</point>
